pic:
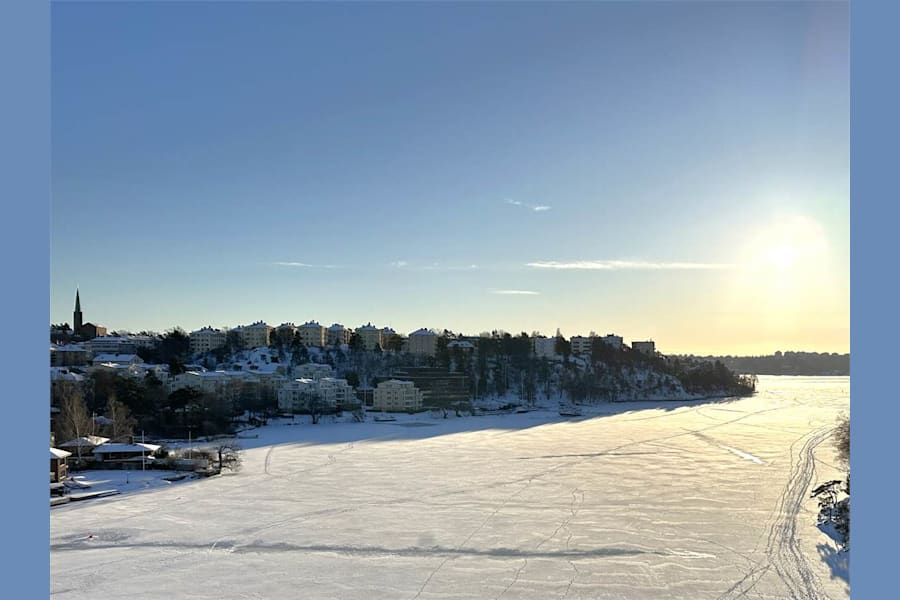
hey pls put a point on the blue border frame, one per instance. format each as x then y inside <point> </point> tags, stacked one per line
<point>874,404</point>
<point>25,156</point>
<point>25,52</point>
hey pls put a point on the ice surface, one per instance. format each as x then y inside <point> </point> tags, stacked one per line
<point>638,502</point>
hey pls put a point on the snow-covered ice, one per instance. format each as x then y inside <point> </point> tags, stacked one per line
<point>644,501</point>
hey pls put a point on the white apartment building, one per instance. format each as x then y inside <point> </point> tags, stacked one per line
<point>337,334</point>
<point>370,336</point>
<point>615,341</point>
<point>206,339</point>
<point>313,371</point>
<point>648,348</point>
<point>284,332</point>
<point>295,395</point>
<point>336,392</point>
<point>581,344</point>
<point>312,334</point>
<point>255,335</point>
<point>423,342</point>
<point>397,396</point>
<point>222,384</point>
<point>463,345</point>
<point>111,344</point>
<point>116,359</point>
<point>545,347</point>
<point>67,355</point>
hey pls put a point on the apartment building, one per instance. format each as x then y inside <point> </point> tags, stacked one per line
<point>648,347</point>
<point>581,344</point>
<point>333,394</point>
<point>255,335</point>
<point>545,347</point>
<point>313,371</point>
<point>337,334</point>
<point>370,336</point>
<point>312,334</point>
<point>394,395</point>
<point>206,340</point>
<point>423,342</point>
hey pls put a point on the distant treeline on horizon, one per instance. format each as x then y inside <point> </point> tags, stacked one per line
<point>787,363</point>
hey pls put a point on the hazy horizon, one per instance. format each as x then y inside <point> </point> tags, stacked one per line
<point>668,171</point>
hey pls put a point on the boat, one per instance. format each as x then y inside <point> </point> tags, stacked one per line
<point>384,418</point>
<point>569,411</point>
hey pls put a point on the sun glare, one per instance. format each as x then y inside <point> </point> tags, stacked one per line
<point>784,273</point>
<point>782,257</point>
<point>788,244</point>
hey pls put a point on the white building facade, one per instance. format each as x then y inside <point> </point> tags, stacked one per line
<point>312,334</point>
<point>545,347</point>
<point>295,395</point>
<point>648,347</point>
<point>397,396</point>
<point>423,342</point>
<point>370,336</point>
<point>581,344</point>
<point>313,371</point>
<point>255,335</point>
<point>337,334</point>
<point>206,340</point>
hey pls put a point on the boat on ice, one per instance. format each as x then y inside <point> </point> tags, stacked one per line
<point>570,411</point>
<point>384,418</point>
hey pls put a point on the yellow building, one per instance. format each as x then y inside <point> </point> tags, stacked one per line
<point>397,396</point>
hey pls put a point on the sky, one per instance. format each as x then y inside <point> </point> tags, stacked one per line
<point>668,171</point>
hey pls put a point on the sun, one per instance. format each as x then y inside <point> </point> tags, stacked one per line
<point>782,256</point>
<point>784,280</point>
<point>788,244</point>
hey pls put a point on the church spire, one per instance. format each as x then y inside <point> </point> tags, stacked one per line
<point>76,317</point>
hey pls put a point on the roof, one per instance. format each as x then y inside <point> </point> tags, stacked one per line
<point>62,373</point>
<point>337,326</point>
<point>85,442</point>
<point>57,453</point>
<point>109,448</point>
<point>115,358</point>
<point>397,381</point>
<point>67,348</point>
<point>368,327</point>
<point>422,331</point>
<point>207,329</point>
<point>311,324</point>
<point>459,344</point>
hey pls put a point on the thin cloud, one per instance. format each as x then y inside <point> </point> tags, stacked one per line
<point>399,264</point>
<point>535,208</point>
<point>515,292</point>
<point>625,265</point>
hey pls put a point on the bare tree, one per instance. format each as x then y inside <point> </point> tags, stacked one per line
<point>121,426</point>
<point>315,407</point>
<point>228,453</point>
<point>74,420</point>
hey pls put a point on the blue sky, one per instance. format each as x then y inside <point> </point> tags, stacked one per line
<point>631,166</point>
